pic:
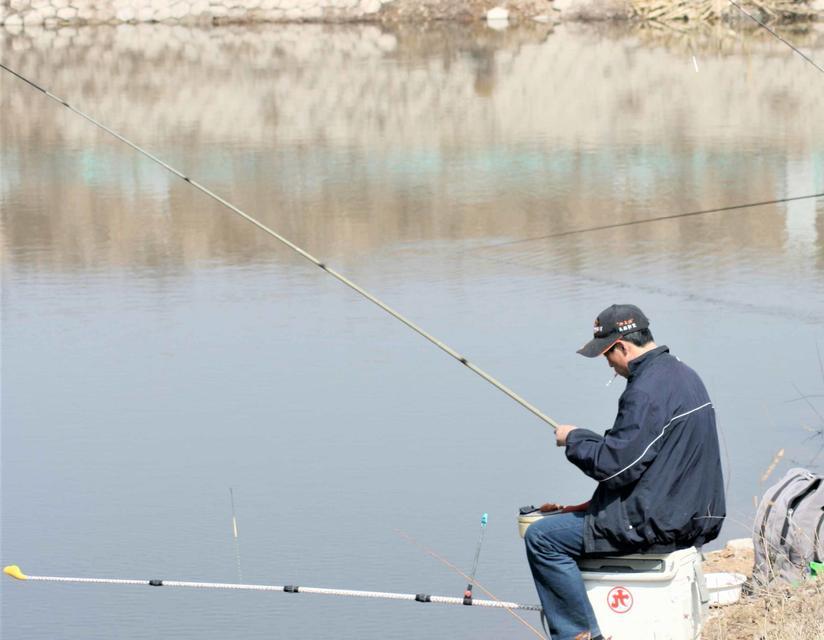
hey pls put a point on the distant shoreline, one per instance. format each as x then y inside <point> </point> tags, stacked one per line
<point>677,13</point>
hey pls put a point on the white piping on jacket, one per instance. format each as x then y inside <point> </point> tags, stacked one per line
<point>638,459</point>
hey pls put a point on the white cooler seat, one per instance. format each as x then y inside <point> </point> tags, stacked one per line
<point>648,596</point>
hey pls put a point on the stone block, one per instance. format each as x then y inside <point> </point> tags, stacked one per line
<point>32,18</point>
<point>86,13</point>
<point>126,14</point>
<point>144,14</point>
<point>67,13</point>
<point>19,6</point>
<point>179,10</point>
<point>368,7</point>
<point>13,20</point>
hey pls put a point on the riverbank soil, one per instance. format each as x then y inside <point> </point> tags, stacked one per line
<point>777,613</point>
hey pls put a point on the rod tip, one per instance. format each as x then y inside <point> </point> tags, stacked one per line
<point>14,571</point>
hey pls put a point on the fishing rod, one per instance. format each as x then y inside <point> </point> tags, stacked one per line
<point>15,572</point>
<point>787,42</point>
<point>468,592</point>
<point>632,223</point>
<point>303,253</point>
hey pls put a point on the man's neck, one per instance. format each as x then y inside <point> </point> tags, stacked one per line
<point>636,351</point>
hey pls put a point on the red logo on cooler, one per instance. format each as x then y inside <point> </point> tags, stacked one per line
<point>619,600</point>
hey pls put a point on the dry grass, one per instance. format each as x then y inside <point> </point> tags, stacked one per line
<point>703,11</point>
<point>774,614</point>
<point>777,612</point>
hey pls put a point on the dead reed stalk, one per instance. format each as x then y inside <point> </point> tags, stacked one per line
<point>709,11</point>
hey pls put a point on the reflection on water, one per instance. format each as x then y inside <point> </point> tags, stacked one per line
<point>157,349</point>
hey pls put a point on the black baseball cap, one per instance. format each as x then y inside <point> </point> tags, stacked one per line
<point>612,324</point>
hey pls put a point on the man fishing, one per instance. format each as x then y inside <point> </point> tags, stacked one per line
<point>660,486</point>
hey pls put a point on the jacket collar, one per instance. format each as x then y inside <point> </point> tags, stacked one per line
<point>638,365</point>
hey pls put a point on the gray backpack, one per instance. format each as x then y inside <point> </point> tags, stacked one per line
<point>789,528</point>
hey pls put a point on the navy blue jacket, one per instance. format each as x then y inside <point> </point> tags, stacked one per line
<point>658,468</point>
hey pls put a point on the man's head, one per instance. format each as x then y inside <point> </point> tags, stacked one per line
<point>621,334</point>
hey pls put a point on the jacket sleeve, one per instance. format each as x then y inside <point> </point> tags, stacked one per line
<point>623,453</point>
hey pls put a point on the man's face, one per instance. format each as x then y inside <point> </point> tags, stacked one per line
<point>617,357</point>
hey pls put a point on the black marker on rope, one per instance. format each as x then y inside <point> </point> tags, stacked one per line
<point>468,593</point>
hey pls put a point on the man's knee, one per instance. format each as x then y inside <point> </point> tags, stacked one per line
<point>538,538</point>
<point>556,534</point>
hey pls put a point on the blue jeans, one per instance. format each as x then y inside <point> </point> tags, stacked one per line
<point>552,544</point>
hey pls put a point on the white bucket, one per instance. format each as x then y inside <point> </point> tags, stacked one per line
<point>724,588</point>
<point>526,519</point>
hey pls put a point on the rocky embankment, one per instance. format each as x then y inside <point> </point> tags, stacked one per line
<point>19,14</point>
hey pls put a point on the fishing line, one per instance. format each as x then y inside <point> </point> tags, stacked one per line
<point>341,278</point>
<point>15,572</point>
<point>630,223</point>
<point>468,592</point>
<point>457,570</point>
<point>789,44</point>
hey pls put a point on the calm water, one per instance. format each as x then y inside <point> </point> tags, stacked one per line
<point>158,350</point>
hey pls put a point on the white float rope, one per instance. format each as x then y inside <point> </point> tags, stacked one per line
<point>303,253</point>
<point>15,572</point>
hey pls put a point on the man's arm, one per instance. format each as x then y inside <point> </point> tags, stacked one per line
<point>621,456</point>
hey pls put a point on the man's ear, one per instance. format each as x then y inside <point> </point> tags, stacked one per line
<point>620,345</point>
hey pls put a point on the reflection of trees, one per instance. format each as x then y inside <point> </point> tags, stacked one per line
<point>728,39</point>
<point>349,140</point>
